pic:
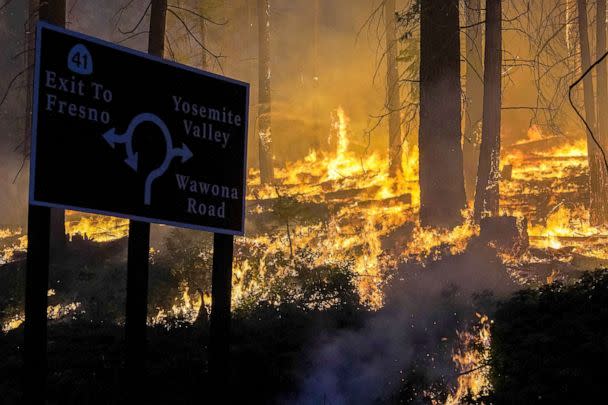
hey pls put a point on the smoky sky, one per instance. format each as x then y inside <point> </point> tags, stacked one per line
<point>351,70</point>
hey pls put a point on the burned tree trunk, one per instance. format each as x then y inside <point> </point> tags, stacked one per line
<point>474,95</point>
<point>441,171</point>
<point>488,173</point>
<point>53,11</point>
<point>264,121</point>
<point>593,152</point>
<point>392,91</point>
<point>600,208</point>
<point>315,67</point>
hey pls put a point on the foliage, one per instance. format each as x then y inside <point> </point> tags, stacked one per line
<point>189,255</point>
<point>550,345</point>
<point>307,286</point>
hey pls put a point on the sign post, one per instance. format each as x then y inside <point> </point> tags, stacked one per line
<point>138,255</point>
<point>219,328</point>
<point>124,133</point>
<point>36,286</point>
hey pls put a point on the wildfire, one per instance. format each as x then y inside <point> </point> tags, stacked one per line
<point>11,242</point>
<point>426,240</point>
<point>365,206</point>
<point>471,359</point>
<point>53,312</point>
<point>95,227</point>
<point>365,203</point>
<point>186,308</point>
<point>548,186</point>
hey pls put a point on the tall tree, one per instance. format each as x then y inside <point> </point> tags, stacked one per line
<point>315,66</point>
<point>596,206</point>
<point>264,110</point>
<point>441,169</point>
<point>53,11</point>
<point>600,208</point>
<point>393,103</point>
<point>474,95</point>
<point>488,174</point>
<point>30,54</point>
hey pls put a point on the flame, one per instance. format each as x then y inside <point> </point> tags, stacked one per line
<point>367,205</point>
<point>472,363</point>
<point>426,241</point>
<point>11,242</point>
<point>186,308</point>
<point>547,169</point>
<point>59,311</point>
<point>12,323</point>
<point>53,312</point>
<point>95,227</point>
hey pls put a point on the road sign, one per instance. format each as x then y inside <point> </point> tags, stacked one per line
<point>105,140</point>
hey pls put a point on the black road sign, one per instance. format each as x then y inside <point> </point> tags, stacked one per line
<point>120,132</point>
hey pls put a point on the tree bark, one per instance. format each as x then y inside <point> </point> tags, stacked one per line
<point>488,175</point>
<point>392,92</point>
<point>264,110</point>
<point>53,11</point>
<point>203,35</point>
<point>30,56</point>
<point>593,153</point>
<point>158,23</point>
<point>474,95</point>
<point>441,168</point>
<point>600,208</point>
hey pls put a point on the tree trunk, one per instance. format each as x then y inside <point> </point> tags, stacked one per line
<point>252,75</point>
<point>203,38</point>
<point>474,95</point>
<point>488,175</point>
<point>53,11</point>
<point>315,68</point>
<point>441,169</point>
<point>593,152</point>
<point>601,199</point>
<point>392,91</point>
<point>158,23</point>
<point>30,56</point>
<point>572,44</point>
<point>264,120</point>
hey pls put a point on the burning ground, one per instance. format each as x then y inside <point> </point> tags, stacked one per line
<point>335,233</point>
<point>340,296</point>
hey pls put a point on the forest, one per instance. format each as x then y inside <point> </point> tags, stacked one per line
<point>425,215</point>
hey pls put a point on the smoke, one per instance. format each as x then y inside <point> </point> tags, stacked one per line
<point>86,16</point>
<point>411,339</point>
<point>13,195</point>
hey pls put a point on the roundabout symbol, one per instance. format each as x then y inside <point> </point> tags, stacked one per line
<point>132,157</point>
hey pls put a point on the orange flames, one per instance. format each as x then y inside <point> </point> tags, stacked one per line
<point>471,359</point>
